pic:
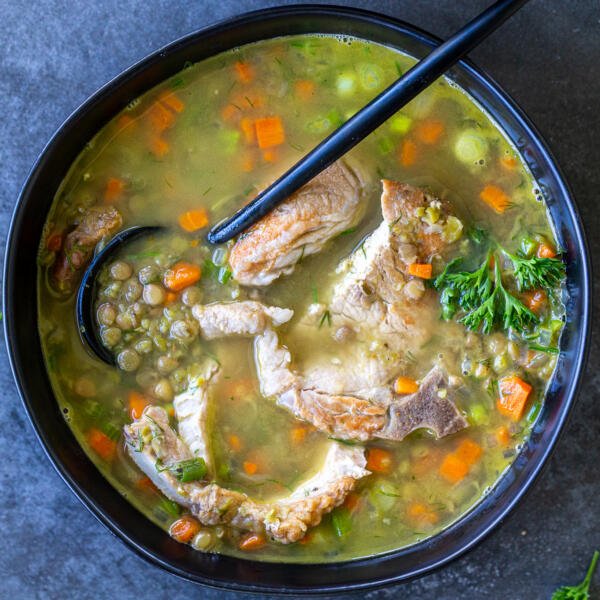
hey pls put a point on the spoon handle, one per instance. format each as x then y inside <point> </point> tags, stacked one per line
<point>365,121</point>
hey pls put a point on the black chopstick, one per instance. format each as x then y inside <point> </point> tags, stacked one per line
<point>367,119</point>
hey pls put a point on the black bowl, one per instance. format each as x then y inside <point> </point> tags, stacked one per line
<point>81,475</point>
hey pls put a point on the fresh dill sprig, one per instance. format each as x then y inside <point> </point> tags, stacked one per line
<point>581,591</point>
<point>536,272</point>
<point>484,298</point>
<point>471,288</point>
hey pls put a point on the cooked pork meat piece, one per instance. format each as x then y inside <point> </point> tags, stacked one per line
<point>79,244</point>
<point>300,226</point>
<point>363,415</point>
<point>387,312</point>
<point>287,520</point>
<point>376,294</point>
<point>191,411</point>
<point>247,318</point>
<point>150,439</point>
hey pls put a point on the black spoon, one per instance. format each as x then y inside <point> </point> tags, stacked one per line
<point>85,309</point>
<point>369,118</point>
<point>364,122</point>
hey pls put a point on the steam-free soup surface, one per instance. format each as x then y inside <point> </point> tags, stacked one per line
<point>185,155</point>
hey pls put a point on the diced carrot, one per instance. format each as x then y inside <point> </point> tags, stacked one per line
<point>502,435</point>
<point>113,190</point>
<point>405,385</point>
<point>194,219</point>
<point>495,198</point>
<point>453,469</point>
<point>422,514</point>
<point>172,100</point>
<point>352,502</point>
<point>137,403</point>
<point>244,71</point>
<point>535,300</point>
<point>54,242</point>
<point>125,121</point>
<point>509,162</point>
<point>234,441</point>
<point>145,484</point>
<point>250,468</point>
<point>252,541</point>
<point>304,89</point>
<point>247,127</point>
<point>408,153</point>
<point>544,250</point>
<point>270,155</point>
<point>184,529</point>
<point>379,460</point>
<point>159,147</point>
<point>422,270</point>
<point>247,163</point>
<point>429,132</point>
<point>170,297</point>
<point>514,393</point>
<point>269,132</point>
<point>298,434</point>
<point>101,444</point>
<point>160,117</point>
<point>194,243</point>
<point>182,275</point>
<point>469,451</point>
<point>230,113</point>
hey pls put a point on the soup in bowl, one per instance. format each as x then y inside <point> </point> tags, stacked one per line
<point>353,374</point>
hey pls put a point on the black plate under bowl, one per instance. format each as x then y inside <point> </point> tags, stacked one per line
<point>20,310</point>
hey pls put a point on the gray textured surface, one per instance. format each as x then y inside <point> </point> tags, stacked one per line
<point>54,53</point>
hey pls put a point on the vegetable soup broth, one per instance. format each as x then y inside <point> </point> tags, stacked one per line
<point>205,157</point>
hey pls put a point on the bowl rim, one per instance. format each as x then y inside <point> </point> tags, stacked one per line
<point>499,96</point>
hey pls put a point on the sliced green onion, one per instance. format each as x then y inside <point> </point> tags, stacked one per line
<point>400,123</point>
<point>470,147</point>
<point>370,75</point>
<point>547,349</point>
<point>341,520</point>
<point>534,411</point>
<point>168,506</point>
<point>385,145</point>
<point>192,469</point>
<point>478,414</point>
<point>229,139</point>
<point>224,275</point>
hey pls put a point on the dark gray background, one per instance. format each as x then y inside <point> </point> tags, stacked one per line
<point>54,53</point>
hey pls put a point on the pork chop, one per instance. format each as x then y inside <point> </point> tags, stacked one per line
<point>300,226</point>
<point>246,318</point>
<point>363,415</point>
<point>78,246</point>
<point>376,294</point>
<point>151,441</point>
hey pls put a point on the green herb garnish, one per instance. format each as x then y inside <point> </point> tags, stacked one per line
<point>192,469</point>
<point>581,591</point>
<point>325,318</point>
<point>536,272</point>
<point>483,296</point>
